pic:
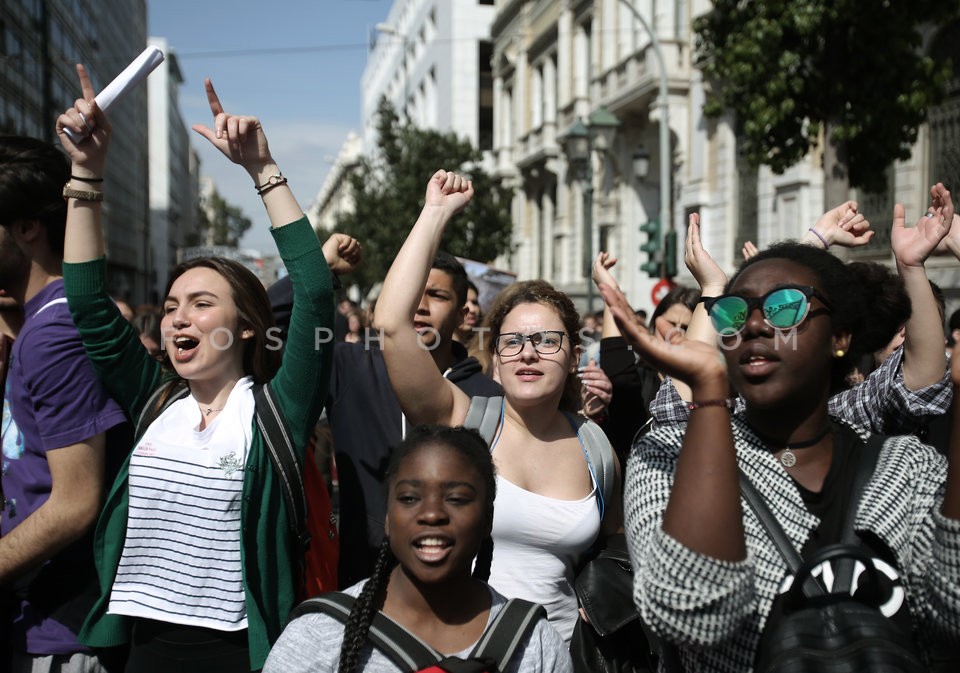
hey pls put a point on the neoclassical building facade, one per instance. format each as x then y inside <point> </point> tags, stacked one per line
<point>559,61</point>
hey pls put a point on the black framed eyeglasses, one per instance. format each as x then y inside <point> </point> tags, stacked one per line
<point>783,308</point>
<point>547,342</point>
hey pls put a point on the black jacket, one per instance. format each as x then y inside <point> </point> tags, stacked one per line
<point>366,423</point>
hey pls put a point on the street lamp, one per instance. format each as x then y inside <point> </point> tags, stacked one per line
<point>641,163</point>
<point>663,104</point>
<point>578,144</point>
<point>387,29</point>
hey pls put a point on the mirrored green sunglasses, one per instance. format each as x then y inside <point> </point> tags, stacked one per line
<point>783,308</point>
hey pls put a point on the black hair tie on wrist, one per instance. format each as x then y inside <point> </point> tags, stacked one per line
<point>91,180</point>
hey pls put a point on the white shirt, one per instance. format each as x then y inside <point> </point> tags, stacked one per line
<point>181,557</point>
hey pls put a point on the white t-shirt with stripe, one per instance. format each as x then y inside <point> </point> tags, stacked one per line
<point>181,557</point>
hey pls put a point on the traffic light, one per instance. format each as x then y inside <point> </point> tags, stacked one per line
<point>651,248</point>
<point>670,254</point>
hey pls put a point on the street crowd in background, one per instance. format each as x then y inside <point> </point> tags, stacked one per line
<point>477,464</point>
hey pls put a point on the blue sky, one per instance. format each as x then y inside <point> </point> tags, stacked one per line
<point>295,64</point>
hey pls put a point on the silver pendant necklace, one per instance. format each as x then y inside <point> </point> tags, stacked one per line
<point>787,457</point>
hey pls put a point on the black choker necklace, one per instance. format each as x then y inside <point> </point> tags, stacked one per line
<point>788,458</point>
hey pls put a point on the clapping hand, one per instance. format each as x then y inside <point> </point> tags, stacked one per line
<point>913,245</point>
<point>684,359</point>
<point>708,274</point>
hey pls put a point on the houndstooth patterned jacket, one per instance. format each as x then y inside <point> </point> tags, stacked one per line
<point>714,611</point>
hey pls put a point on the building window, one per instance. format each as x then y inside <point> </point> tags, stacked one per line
<point>485,95</point>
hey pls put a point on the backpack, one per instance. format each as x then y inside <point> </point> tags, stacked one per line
<point>310,513</point>
<point>484,413</point>
<point>822,631</point>
<point>491,654</point>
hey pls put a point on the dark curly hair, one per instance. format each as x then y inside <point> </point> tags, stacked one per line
<point>890,306</point>
<point>842,287</point>
<point>469,444</point>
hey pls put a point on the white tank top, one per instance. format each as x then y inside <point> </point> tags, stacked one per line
<point>537,543</point>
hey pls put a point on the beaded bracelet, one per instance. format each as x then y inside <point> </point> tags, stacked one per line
<point>826,246</point>
<point>728,402</point>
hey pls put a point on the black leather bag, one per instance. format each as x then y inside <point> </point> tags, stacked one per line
<point>614,639</point>
<point>833,632</point>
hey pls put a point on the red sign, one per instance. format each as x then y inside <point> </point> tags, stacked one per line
<point>660,290</point>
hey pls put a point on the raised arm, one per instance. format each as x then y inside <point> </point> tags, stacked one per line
<point>424,395</point>
<point>703,510</point>
<point>712,281</point>
<point>241,139</point>
<point>924,358</point>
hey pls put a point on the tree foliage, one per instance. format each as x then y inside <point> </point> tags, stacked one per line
<point>389,188</point>
<point>853,69</point>
<point>226,224</point>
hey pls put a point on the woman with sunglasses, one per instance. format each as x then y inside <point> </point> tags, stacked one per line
<point>909,386</point>
<point>546,515</point>
<point>706,574</point>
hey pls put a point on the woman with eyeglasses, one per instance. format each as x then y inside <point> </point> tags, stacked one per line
<point>707,576</point>
<point>547,514</point>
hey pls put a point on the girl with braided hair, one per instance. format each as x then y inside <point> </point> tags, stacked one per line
<point>440,486</point>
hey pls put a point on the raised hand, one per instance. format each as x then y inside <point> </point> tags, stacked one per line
<point>448,191</point>
<point>86,119</point>
<point>601,270</point>
<point>843,225</point>
<point>913,245</point>
<point>705,270</point>
<point>343,253</point>
<point>240,138</point>
<point>749,250</point>
<point>684,359</point>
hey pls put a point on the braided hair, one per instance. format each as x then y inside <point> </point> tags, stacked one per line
<point>469,444</point>
<point>367,605</point>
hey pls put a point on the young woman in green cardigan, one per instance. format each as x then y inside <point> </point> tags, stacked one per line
<point>193,548</point>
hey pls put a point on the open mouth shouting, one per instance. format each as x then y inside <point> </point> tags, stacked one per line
<point>185,347</point>
<point>432,548</point>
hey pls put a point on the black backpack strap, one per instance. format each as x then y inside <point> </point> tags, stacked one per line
<point>178,389</point>
<point>865,468</point>
<point>279,445</point>
<point>866,465</point>
<point>406,651</point>
<point>483,415</point>
<point>770,524</point>
<point>508,629</point>
<point>813,586</point>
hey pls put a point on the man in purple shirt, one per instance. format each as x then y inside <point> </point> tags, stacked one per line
<point>54,431</point>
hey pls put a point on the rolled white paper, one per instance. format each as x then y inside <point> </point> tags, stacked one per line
<point>132,75</point>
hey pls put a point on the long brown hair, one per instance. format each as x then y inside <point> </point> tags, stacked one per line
<point>253,308</point>
<point>539,292</point>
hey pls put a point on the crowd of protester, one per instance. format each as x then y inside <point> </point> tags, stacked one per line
<point>475,459</point>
